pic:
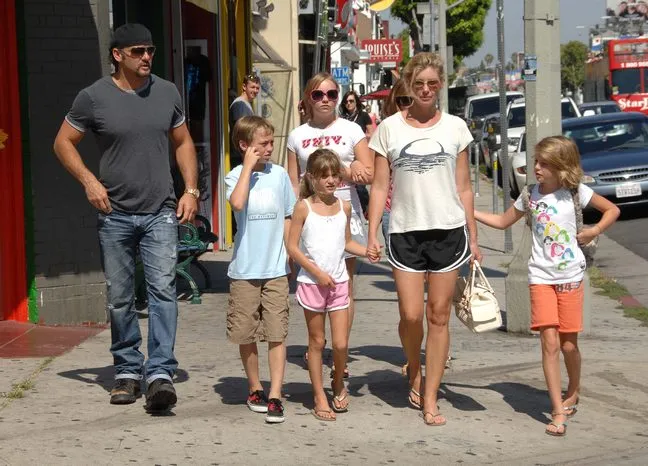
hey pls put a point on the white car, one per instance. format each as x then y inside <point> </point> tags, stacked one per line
<point>517,173</point>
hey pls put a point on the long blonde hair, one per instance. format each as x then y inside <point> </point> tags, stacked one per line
<point>312,84</point>
<point>319,163</point>
<point>562,156</point>
<point>421,61</point>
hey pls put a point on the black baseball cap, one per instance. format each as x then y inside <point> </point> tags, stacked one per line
<point>130,34</point>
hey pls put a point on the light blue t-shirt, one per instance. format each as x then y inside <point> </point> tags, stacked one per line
<point>259,250</point>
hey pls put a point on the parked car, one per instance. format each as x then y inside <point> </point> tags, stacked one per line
<point>517,172</point>
<point>598,108</point>
<point>614,155</point>
<point>481,105</point>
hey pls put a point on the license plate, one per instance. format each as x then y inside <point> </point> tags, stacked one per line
<point>628,190</point>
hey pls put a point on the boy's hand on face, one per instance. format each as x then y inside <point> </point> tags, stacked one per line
<point>251,157</point>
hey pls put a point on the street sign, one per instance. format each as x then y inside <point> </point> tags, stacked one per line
<point>342,75</point>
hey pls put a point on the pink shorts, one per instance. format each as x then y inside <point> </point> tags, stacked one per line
<point>322,298</point>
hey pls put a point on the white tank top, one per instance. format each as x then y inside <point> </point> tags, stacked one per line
<point>323,240</point>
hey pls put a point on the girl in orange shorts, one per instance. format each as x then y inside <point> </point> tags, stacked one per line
<point>557,263</point>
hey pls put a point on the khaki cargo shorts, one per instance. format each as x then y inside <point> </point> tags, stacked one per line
<point>258,311</point>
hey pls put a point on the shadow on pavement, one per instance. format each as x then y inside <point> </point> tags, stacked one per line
<point>234,390</point>
<point>522,398</point>
<point>104,376</point>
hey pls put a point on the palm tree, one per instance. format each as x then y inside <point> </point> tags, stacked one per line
<point>489,59</point>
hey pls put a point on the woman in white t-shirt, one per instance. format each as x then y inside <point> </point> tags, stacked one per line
<point>431,206</point>
<point>324,129</point>
<point>557,263</point>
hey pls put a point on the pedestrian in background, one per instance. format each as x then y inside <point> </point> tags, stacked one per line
<point>557,263</point>
<point>262,199</point>
<point>325,130</point>
<point>431,207</point>
<point>353,110</point>
<point>133,114</point>
<point>242,106</point>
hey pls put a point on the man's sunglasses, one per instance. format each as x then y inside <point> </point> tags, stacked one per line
<point>138,52</point>
<point>318,95</point>
<point>404,100</point>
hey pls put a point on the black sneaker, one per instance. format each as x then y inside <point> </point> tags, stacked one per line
<point>275,411</point>
<point>125,391</point>
<point>258,402</point>
<point>160,395</point>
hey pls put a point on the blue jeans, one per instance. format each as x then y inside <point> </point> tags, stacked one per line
<point>156,237</point>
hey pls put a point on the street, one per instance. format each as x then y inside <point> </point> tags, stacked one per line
<point>630,230</point>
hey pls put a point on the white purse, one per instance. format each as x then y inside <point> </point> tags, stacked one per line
<point>475,303</point>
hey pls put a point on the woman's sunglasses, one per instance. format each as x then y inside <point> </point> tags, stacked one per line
<point>318,95</point>
<point>404,100</point>
<point>350,101</point>
<point>138,52</point>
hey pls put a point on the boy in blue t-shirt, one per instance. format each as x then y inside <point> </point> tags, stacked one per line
<point>262,199</point>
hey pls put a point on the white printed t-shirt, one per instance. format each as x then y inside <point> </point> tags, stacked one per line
<point>259,250</point>
<point>555,255</point>
<point>341,137</point>
<point>423,163</point>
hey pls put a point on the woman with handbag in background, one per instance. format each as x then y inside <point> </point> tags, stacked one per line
<point>557,263</point>
<point>432,204</point>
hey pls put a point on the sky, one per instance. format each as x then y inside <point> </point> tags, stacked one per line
<point>573,13</point>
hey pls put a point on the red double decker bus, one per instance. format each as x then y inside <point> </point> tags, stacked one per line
<point>628,73</point>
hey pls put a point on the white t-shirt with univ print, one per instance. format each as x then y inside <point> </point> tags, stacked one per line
<point>423,163</point>
<point>341,137</point>
<point>555,255</point>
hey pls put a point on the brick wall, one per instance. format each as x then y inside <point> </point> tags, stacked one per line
<point>66,50</point>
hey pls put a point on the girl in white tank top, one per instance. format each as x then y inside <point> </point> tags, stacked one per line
<point>319,236</point>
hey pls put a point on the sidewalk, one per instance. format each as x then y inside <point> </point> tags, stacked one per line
<point>493,396</point>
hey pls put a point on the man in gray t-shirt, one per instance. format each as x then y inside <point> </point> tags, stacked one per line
<point>132,115</point>
<point>242,106</point>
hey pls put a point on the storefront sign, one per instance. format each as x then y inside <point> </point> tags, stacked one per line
<point>383,50</point>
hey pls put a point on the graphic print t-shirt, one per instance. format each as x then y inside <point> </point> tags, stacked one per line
<point>555,255</point>
<point>259,250</point>
<point>423,163</point>
<point>341,137</point>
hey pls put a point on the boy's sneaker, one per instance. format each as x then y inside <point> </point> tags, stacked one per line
<point>160,395</point>
<point>258,402</point>
<point>275,411</point>
<point>125,391</point>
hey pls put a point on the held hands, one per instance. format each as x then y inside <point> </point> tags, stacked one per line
<point>98,196</point>
<point>187,208</point>
<point>587,235</point>
<point>359,173</point>
<point>373,250</point>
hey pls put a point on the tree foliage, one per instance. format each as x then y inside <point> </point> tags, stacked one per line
<point>465,24</point>
<point>572,59</point>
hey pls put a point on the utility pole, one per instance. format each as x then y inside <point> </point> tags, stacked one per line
<point>432,38</point>
<point>317,58</point>
<point>443,51</point>
<point>503,153</point>
<point>542,97</point>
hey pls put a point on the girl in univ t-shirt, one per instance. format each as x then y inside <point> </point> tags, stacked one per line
<point>431,216</point>
<point>325,130</point>
<point>557,264</point>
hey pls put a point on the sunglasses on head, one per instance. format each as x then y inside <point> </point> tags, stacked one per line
<point>318,95</point>
<point>404,100</point>
<point>138,52</point>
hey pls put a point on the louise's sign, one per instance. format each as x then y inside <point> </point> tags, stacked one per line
<point>383,50</point>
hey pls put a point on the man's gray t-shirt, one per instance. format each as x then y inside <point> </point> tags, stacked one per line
<point>132,131</point>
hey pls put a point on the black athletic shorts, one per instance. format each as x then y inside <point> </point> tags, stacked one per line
<point>429,250</point>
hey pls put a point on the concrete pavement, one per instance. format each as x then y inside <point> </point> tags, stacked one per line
<point>493,396</point>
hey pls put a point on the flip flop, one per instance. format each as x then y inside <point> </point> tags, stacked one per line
<point>570,411</point>
<point>557,425</point>
<point>413,403</point>
<point>339,399</point>
<point>317,413</point>
<point>434,416</point>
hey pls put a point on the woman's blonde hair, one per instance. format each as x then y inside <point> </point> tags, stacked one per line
<point>390,107</point>
<point>563,158</point>
<point>421,61</point>
<point>312,84</point>
<point>319,163</point>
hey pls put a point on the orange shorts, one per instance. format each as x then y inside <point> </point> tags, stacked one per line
<point>557,306</point>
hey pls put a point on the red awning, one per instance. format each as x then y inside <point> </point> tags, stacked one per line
<point>379,95</point>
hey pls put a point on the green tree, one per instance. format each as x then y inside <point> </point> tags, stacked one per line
<point>488,59</point>
<point>465,25</point>
<point>572,60</point>
<point>407,53</point>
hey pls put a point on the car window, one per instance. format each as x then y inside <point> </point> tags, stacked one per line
<point>609,109</point>
<point>608,136</point>
<point>626,81</point>
<point>485,106</point>
<point>567,110</point>
<point>523,143</point>
<point>517,117</point>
